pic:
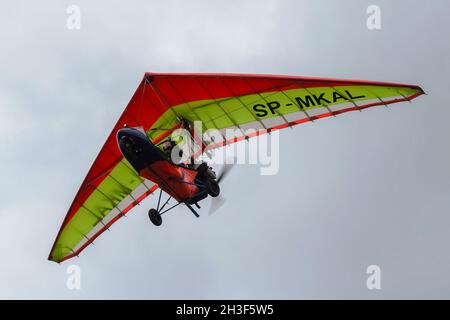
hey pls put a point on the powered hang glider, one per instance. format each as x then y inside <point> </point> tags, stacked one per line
<point>131,165</point>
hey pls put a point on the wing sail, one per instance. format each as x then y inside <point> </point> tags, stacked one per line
<point>249,104</point>
<point>254,104</point>
<point>111,187</point>
<point>118,193</point>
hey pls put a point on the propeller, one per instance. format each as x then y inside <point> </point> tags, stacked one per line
<point>225,171</point>
<point>218,202</point>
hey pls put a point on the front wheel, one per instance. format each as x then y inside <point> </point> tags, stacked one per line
<point>155,217</point>
<point>212,187</point>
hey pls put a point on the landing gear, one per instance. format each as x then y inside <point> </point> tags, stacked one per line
<point>155,214</point>
<point>212,187</point>
<point>155,217</point>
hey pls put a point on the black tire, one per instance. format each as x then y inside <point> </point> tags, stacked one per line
<point>212,187</point>
<point>155,217</point>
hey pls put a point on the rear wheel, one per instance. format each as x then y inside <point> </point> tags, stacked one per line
<point>212,187</point>
<point>155,217</point>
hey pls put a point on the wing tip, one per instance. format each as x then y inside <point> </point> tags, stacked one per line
<point>149,76</point>
<point>421,90</point>
<point>50,258</point>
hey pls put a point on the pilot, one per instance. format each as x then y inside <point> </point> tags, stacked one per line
<point>167,146</point>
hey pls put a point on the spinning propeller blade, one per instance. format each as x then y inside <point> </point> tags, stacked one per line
<point>217,202</point>
<point>226,169</point>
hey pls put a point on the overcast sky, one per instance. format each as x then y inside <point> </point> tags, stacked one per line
<point>364,188</point>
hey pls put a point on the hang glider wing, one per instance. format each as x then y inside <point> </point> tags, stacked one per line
<point>249,105</point>
<point>242,106</point>
<point>110,189</point>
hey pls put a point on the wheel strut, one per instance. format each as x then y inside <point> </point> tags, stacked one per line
<point>192,209</point>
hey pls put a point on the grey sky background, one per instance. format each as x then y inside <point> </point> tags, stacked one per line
<point>360,189</point>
